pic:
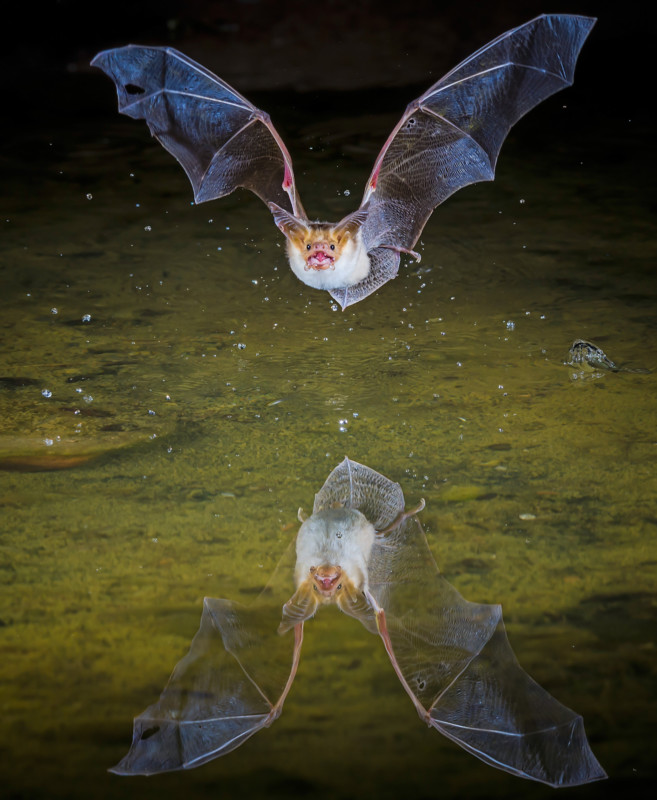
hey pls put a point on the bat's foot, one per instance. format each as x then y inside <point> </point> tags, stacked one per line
<point>403,515</point>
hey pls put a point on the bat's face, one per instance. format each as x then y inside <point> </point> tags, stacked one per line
<point>322,254</point>
<point>320,246</point>
<point>327,256</point>
<point>326,579</point>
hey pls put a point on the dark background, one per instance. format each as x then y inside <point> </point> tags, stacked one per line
<point>337,45</point>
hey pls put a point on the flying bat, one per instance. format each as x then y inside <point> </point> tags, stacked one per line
<point>362,550</point>
<point>446,139</point>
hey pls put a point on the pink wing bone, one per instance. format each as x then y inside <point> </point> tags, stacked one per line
<point>278,707</point>
<point>288,185</point>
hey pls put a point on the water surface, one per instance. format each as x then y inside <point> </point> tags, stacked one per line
<point>171,394</point>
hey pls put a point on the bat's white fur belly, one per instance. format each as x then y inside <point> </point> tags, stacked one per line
<point>350,268</point>
<point>339,536</point>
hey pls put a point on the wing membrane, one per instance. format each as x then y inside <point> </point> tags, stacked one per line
<point>221,139</point>
<point>231,684</point>
<point>451,135</point>
<point>455,662</point>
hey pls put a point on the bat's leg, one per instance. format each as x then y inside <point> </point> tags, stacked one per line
<point>401,517</point>
<point>298,639</point>
<point>382,627</point>
<point>405,250</point>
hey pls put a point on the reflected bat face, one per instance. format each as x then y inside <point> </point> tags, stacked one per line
<point>326,579</point>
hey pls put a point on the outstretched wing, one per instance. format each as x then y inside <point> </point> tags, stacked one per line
<point>219,137</point>
<point>455,662</point>
<point>451,135</point>
<point>231,684</point>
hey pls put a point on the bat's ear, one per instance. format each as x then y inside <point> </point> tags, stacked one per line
<point>299,607</point>
<point>292,226</point>
<point>350,225</point>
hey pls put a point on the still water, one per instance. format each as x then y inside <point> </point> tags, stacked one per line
<point>171,395</point>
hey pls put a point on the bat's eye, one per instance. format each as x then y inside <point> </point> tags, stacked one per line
<point>315,588</point>
<point>312,569</point>
<point>339,586</point>
<point>307,247</point>
<point>332,247</point>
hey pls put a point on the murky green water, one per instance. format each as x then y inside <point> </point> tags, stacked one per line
<point>170,395</point>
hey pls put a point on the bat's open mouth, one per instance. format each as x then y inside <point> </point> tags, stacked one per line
<point>327,579</point>
<point>320,261</point>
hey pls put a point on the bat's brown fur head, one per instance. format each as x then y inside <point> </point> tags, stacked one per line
<point>322,253</point>
<point>321,244</point>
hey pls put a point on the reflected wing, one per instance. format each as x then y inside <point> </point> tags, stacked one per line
<point>219,137</point>
<point>451,135</point>
<point>353,485</point>
<point>456,664</point>
<point>232,683</point>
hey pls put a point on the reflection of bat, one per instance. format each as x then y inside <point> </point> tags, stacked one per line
<point>446,139</point>
<point>362,550</point>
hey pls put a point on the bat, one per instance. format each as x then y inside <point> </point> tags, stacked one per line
<point>446,139</point>
<point>362,550</point>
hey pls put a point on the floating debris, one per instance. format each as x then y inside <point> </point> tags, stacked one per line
<point>591,357</point>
